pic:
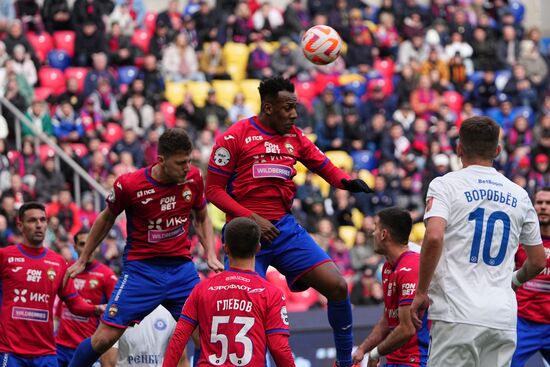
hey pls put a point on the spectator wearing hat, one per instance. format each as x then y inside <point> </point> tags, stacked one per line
<point>404,115</point>
<point>540,173</point>
<point>120,51</point>
<point>49,181</point>
<point>38,114</point>
<point>486,91</point>
<point>67,126</point>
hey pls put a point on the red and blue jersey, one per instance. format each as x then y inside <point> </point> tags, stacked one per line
<point>235,310</point>
<point>157,214</point>
<point>30,278</point>
<point>534,296</point>
<point>258,165</point>
<point>399,281</point>
<point>95,284</point>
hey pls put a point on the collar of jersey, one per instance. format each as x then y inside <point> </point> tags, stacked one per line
<point>261,128</point>
<point>237,270</point>
<point>150,178</point>
<point>396,264</point>
<point>33,253</point>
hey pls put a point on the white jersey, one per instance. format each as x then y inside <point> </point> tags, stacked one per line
<point>487,217</point>
<point>144,345</point>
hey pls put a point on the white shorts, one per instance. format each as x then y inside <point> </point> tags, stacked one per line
<point>464,345</point>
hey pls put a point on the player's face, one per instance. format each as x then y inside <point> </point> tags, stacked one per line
<point>284,112</point>
<point>33,226</point>
<point>542,206</point>
<point>378,238</point>
<point>80,242</point>
<point>176,167</point>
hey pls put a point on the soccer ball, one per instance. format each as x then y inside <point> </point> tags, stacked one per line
<point>321,44</point>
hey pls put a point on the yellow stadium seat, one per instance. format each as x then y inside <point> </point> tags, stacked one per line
<point>199,92</point>
<point>300,167</point>
<point>217,217</point>
<point>417,232</point>
<point>366,176</point>
<point>226,90</point>
<point>323,186</point>
<point>300,178</point>
<point>357,218</point>
<point>236,59</point>
<point>347,234</point>
<point>175,92</point>
<point>312,137</point>
<point>267,47</point>
<point>340,159</point>
<point>350,78</point>
<point>249,87</point>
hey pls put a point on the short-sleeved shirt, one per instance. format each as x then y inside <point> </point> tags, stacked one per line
<point>235,311</point>
<point>158,214</point>
<point>487,217</point>
<point>30,280</point>
<point>399,281</point>
<point>260,165</point>
<point>95,284</point>
<point>534,295</point>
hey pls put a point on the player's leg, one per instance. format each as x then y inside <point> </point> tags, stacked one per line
<point>497,348</point>
<point>528,342</point>
<point>305,264</point>
<point>454,344</point>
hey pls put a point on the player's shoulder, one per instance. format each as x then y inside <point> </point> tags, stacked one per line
<point>105,270</point>
<point>194,173</point>
<point>260,285</point>
<point>128,181</point>
<point>236,130</point>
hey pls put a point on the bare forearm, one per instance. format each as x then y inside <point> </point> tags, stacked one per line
<point>205,232</point>
<point>377,335</point>
<point>529,270</point>
<point>99,230</point>
<point>396,339</point>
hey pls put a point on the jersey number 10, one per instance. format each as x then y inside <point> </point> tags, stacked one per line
<point>478,216</point>
<point>241,337</point>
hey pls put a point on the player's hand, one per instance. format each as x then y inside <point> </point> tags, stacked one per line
<point>356,185</point>
<point>419,306</point>
<point>214,264</point>
<point>358,356</point>
<point>73,270</point>
<point>269,231</point>
<point>100,309</point>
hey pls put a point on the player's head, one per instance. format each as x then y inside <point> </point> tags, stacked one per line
<point>392,228</point>
<point>80,240</point>
<point>174,154</point>
<point>32,223</point>
<point>542,205</point>
<point>242,238</point>
<point>479,138</point>
<point>278,101</point>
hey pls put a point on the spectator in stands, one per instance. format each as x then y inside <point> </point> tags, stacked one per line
<point>519,135</point>
<point>296,19</point>
<point>161,39</point>
<point>407,82</point>
<point>97,166</point>
<point>239,110</point>
<point>521,89</point>
<point>26,163</point>
<point>39,115</point>
<point>508,47</point>
<point>56,15</point>
<point>138,115</point>
<point>190,31</point>
<point>386,35</point>
<point>29,13</point>
<point>394,143</point>
<point>66,211</point>
<point>72,94</point>
<point>130,143</point>
<point>171,17</point>
<point>125,165</point>
<point>354,132</point>
<point>13,95</point>
<point>20,192</point>
<point>180,61</point>
<point>212,110</point>
<point>424,100</point>
<point>99,71</point>
<point>380,199</point>
<point>152,80</point>
<point>23,65</point>
<point>8,210</point>
<point>412,25</point>
<point>67,126</point>
<point>339,253</point>
<point>486,91</point>
<point>434,62</point>
<point>124,17</point>
<point>359,55</point>
<point>239,25</point>
<point>120,51</point>
<point>3,54</point>
<point>49,181</point>
<point>8,73</point>
<point>7,14</point>
<point>91,119</point>
<point>16,37</point>
<point>88,215</point>
<point>484,54</point>
<point>412,52</point>
<point>542,145</point>
<point>268,21</point>
<point>286,61</point>
<point>404,115</point>
<point>6,167</point>
<point>89,40</point>
<point>536,67</point>
<point>378,102</point>
<point>89,11</point>
<point>5,232</point>
<point>212,63</point>
<point>330,132</point>
<point>205,19</point>
<point>105,101</point>
<point>259,62</point>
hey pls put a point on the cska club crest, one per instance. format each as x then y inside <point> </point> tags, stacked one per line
<point>289,148</point>
<point>93,283</point>
<point>113,310</point>
<point>51,274</point>
<point>186,194</point>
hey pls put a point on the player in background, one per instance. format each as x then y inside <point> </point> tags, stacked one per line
<point>475,219</point>
<point>533,297</point>
<point>250,175</point>
<point>238,312</point>
<point>95,284</point>
<point>144,345</point>
<point>394,336</point>
<point>31,276</point>
<point>158,201</point>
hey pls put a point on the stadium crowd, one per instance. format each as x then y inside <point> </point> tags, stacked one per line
<point>106,78</point>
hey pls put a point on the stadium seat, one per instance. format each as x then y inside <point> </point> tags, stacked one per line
<point>324,187</point>
<point>477,78</point>
<point>150,22</point>
<point>518,10</point>
<point>454,100</point>
<point>249,87</point>
<point>358,88</point>
<point>42,93</point>
<point>105,148</point>
<point>266,46</point>
<point>350,78</point>
<point>347,234</point>
<point>64,40</point>
<point>306,92</point>
<point>141,39</point>
<point>545,45</point>
<point>357,218</point>
<point>363,159</point>
<point>127,74</point>
<point>366,176</point>
<point>226,90</point>
<point>217,217</point>
<point>80,149</point>
<point>199,92</point>
<point>42,44</point>
<point>278,280</point>
<point>385,84</point>
<point>44,152</point>
<point>236,59</point>
<point>174,92</point>
<point>501,78</point>
<point>53,79</point>
<point>302,301</point>
<point>113,133</point>
<point>79,74</point>
<point>59,59</point>
<point>169,112</point>
<point>526,112</point>
<point>13,155</point>
<point>299,178</point>
<point>385,67</point>
<point>323,81</point>
<point>340,159</point>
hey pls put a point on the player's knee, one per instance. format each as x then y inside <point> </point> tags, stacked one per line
<point>339,292</point>
<point>102,341</point>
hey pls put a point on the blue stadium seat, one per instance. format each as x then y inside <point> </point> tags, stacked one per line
<point>363,159</point>
<point>501,78</point>
<point>526,112</point>
<point>517,9</point>
<point>59,59</point>
<point>127,74</point>
<point>545,45</point>
<point>358,88</point>
<point>477,77</point>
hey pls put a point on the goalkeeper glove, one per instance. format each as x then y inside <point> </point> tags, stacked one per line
<point>356,185</point>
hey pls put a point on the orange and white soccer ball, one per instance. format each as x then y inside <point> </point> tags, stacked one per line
<point>321,44</point>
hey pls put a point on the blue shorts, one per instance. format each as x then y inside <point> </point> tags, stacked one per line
<point>64,355</point>
<point>293,253</point>
<point>532,337</point>
<point>145,284</point>
<point>12,360</point>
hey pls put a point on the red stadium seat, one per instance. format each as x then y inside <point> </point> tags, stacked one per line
<point>105,148</point>
<point>113,133</point>
<point>324,80</point>
<point>79,74</point>
<point>150,22</point>
<point>64,40</point>
<point>302,301</point>
<point>42,44</point>
<point>80,149</point>
<point>13,155</point>
<point>45,151</point>
<point>454,100</point>
<point>53,79</point>
<point>278,280</point>
<point>42,93</point>
<point>306,92</point>
<point>169,113</point>
<point>386,67</point>
<point>141,39</point>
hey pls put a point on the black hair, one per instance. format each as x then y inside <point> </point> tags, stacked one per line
<point>28,206</point>
<point>479,137</point>
<point>271,87</point>
<point>174,141</point>
<point>242,236</point>
<point>398,222</point>
<point>79,233</point>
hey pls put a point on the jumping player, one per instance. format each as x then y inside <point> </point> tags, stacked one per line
<point>95,284</point>
<point>534,296</point>
<point>475,219</point>
<point>250,175</point>
<point>158,201</point>
<point>395,336</point>
<point>238,313</point>
<point>31,276</point>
